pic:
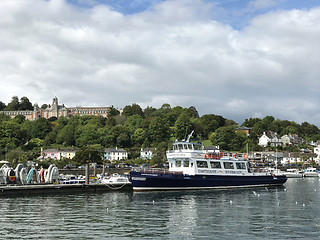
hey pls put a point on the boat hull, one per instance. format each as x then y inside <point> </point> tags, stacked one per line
<point>142,181</point>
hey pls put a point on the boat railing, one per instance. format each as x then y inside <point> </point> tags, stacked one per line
<point>220,155</point>
<point>156,170</point>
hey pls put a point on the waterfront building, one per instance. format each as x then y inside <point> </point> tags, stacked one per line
<point>115,154</point>
<point>55,110</point>
<point>57,154</point>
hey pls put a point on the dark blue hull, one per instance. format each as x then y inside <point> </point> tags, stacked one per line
<point>149,181</point>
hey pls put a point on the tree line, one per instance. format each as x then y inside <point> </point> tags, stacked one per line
<point>136,128</point>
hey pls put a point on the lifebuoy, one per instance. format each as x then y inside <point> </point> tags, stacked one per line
<point>220,154</point>
<point>245,156</point>
<point>206,156</point>
<point>236,155</point>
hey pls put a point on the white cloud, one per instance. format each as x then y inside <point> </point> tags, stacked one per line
<point>173,53</point>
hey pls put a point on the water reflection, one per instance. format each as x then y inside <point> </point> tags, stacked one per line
<point>280,213</point>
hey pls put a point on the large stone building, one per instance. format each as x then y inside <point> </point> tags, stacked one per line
<point>55,111</point>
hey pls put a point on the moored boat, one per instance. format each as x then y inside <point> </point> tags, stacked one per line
<point>311,172</point>
<point>294,173</point>
<point>191,168</point>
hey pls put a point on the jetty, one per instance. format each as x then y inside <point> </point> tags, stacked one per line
<point>31,189</point>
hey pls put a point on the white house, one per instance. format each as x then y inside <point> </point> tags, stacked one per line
<point>146,153</point>
<point>115,154</point>
<point>316,150</point>
<point>271,138</point>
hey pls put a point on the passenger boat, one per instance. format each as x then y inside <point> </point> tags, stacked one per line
<point>191,168</point>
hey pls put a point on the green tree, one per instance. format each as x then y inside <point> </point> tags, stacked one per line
<point>40,128</point>
<point>86,134</point>
<point>132,110</point>
<point>139,136</point>
<point>133,122</point>
<point>2,106</point>
<point>13,105</point>
<point>25,104</point>
<point>250,122</point>
<point>112,112</point>
<point>149,111</point>
<point>209,123</point>
<point>4,117</point>
<point>228,139</point>
<point>194,112</point>
<point>183,126</point>
<point>66,136</point>
<point>159,130</point>
<point>88,154</point>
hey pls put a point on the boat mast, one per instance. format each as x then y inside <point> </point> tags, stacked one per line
<point>189,136</point>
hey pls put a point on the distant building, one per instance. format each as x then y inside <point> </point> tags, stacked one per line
<point>246,130</point>
<point>115,154</point>
<point>57,154</point>
<point>212,149</point>
<point>55,111</point>
<point>146,153</point>
<point>270,138</point>
<point>293,139</point>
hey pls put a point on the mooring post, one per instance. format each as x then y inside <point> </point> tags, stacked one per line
<point>87,173</point>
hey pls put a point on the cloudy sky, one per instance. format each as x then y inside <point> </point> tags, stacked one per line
<point>235,58</point>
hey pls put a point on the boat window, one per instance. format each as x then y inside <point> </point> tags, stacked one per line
<point>171,165</point>
<point>178,163</point>
<point>241,165</point>
<point>228,165</point>
<point>202,164</point>
<point>186,163</point>
<point>215,164</point>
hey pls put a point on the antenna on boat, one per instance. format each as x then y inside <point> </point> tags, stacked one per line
<point>190,135</point>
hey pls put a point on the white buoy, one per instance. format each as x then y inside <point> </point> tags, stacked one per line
<point>230,201</point>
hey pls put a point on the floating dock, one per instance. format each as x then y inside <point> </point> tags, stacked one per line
<point>30,189</point>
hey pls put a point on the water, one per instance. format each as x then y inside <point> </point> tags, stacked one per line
<point>289,212</point>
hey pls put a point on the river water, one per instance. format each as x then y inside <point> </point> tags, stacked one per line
<point>288,212</point>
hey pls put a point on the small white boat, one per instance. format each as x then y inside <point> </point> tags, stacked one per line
<point>311,172</point>
<point>294,173</point>
<point>115,179</point>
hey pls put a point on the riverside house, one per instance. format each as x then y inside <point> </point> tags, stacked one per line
<point>57,154</point>
<point>115,154</point>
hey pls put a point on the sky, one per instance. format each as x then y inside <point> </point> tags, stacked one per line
<point>234,58</point>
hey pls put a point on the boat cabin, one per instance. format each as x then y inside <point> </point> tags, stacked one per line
<point>190,159</point>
